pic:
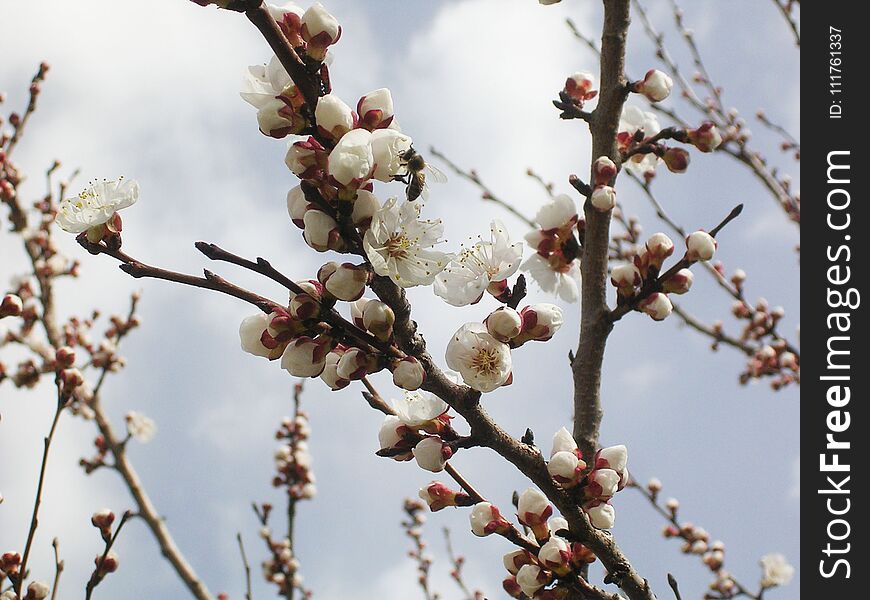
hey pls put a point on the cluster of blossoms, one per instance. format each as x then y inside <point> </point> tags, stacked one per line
<point>607,475</point>
<point>292,459</point>
<point>419,429</point>
<point>642,285</point>
<point>555,265</point>
<point>776,571</point>
<point>540,569</point>
<point>282,567</point>
<point>10,565</point>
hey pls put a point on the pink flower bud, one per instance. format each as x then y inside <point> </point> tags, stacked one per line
<point>305,356</point>
<point>321,231</point>
<point>109,564</point>
<point>555,554</point>
<point>705,138</point>
<point>659,247</point>
<point>603,198</point>
<point>305,158</point>
<point>679,283</point>
<point>602,483</point>
<point>656,305</point>
<point>11,306</point>
<point>391,436</point>
<point>64,357</point>
<point>409,374</point>
<point>700,246</point>
<point>37,590</point>
<point>654,486</point>
<point>533,510</point>
<point>334,117</point>
<point>304,306</point>
<point>375,109</point>
<point>676,159</point>
<point>626,277</point>
<point>356,312</point>
<point>432,454</point>
<point>438,496</point>
<point>579,87</point>
<point>532,578</point>
<point>511,587</point>
<point>656,85</point>
<point>566,468</point>
<point>602,516</point>
<point>504,323</point>
<point>345,281</point>
<point>354,364</point>
<point>330,371</point>
<point>513,561</point>
<point>603,171</point>
<point>378,318</point>
<point>540,323</point>
<point>103,519</point>
<point>486,519</point>
<point>320,29</point>
<point>71,379</point>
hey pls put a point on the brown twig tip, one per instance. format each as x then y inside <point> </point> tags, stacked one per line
<point>672,581</point>
<point>731,216</point>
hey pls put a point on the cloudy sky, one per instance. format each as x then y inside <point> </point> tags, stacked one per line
<point>150,91</point>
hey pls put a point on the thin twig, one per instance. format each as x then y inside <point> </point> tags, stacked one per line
<point>246,566</point>
<point>98,575</point>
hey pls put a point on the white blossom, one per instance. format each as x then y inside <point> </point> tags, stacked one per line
<point>140,427</point>
<point>409,374</point>
<point>700,245</point>
<point>320,29</point>
<point>333,116</point>
<point>388,146</point>
<point>531,578</point>
<point>330,372</point>
<point>775,570</point>
<point>416,409</point>
<point>389,436</point>
<point>398,244</point>
<point>375,109</point>
<point>364,208</point>
<point>483,362</point>
<point>467,276</point>
<point>602,516</point>
<point>305,357</point>
<point>486,519</point>
<point>657,305</point>
<point>251,333</point>
<point>555,554</point>
<point>656,85</point>
<point>603,198</point>
<point>96,205</point>
<point>321,230</point>
<point>564,283</point>
<point>267,88</point>
<point>504,323</point>
<point>631,120</point>
<point>351,161</point>
<point>556,213</point>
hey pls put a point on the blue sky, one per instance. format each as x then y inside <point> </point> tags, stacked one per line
<point>152,93</point>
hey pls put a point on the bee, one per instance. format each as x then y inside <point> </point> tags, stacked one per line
<point>417,173</point>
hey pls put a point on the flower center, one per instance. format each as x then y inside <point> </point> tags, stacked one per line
<point>398,246</point>
<point>485,362</point>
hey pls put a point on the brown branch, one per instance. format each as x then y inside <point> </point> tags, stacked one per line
<point>98,575</point>
<point>245,565</point>
<point>785,7</point>
<point>58,568</point>
<point>594,323</point>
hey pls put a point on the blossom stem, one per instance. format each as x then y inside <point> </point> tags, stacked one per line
<point>97,576</point>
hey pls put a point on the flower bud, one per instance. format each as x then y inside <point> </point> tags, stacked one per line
<point>64,357</point>
<point>305,356</point>
<point>626,277</point>
<point>320,29</point>
<point>616,458</point>
<point>603,171</point>
<point>334,117</point>
<point>533,510</point>
<point>566,468</point>
<point>658,247</point>
<point>656,305</point>
<point>71,379</point>
<point>676,159</point>
<point>540,323</point>
<point>305,158</point>
<point>388,147</point>
<point>705,138</point>
<point>364,208</point>
<point>656,85</point>
<point>37,590</point>
<point>330,372</point>
<point>679,283</point>
<point>304,306</point>
<point>103,519</point>
<point>391,436</point>
<point>602,483</point>
<point>378,318</point>
<point>345,281</point>
<point>654,486</point>
<point>563,441</point>
<point>504,323</point>
<point>555,554</point>
<point>321,231</point>
<point>510,585</point>
<point>109,564</point>
<point>351,161</point>
<point>409,374</point>
<point>700,246</point>
<point>438,496</point>
<point>532,578</point>
<point>432,454</point>
<point>579,87</point>
<point>297,205</point>
<point>603,198</point>
<point>602,516</point>
<point>486,519</point>
<point>375,109</point>
<point>513,561</point>
<point>354,364</point>
<point>11,306</point>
